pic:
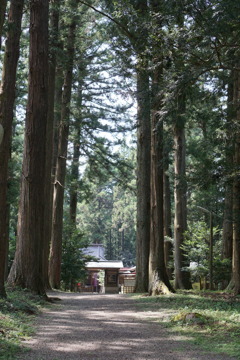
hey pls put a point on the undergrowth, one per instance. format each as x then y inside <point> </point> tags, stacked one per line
<point>17,313</point>
<point>208,319</point>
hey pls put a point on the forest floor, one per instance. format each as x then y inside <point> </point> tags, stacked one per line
<point>107,327</point>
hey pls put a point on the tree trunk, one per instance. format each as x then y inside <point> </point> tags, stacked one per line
<point>228,205</point>
<point>58,197</point>
<point>7,98</point>
<point>74,180</point>
<point>76,154</point>
<point>54,23</point>
<point>3,5</point>
<point>143,159</point>
<point>168,246</point>
<point>143,181</point>
<point>158,279</point>
<point>228,223</point>
<point>27,268</point>
<point>59,81</point>
<point>182,277</point>
<point>236,189</point>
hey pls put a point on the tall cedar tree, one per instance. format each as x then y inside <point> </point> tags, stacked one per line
<point>7,98</point>
<point>143,154</point>
<point>58,196</point>
<point>158,278</point>
<point>137,33</point>
<point>168,246</point>
<point>75,161</point>
<point>236,184</point>
<point>54,36</point>
<point>182,279</point>
<point>227,247</point>
<point>27,268</point>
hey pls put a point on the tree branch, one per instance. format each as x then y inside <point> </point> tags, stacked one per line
<point>125,30</point>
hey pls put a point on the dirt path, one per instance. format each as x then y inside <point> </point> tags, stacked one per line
<point>105,327</point>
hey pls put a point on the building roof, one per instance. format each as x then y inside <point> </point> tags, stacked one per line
<point>96,250</point>
<point>104,264</point>
<point>128,270</point>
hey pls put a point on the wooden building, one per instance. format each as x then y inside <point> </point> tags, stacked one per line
<point>111,276</point>
<point>109,282</point>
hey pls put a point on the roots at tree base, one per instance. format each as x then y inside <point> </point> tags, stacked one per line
<point>160,286</point>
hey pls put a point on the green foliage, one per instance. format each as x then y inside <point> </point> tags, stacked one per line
<point>222,269</point>
<point>73,258</point>
<point>101,277</point>
<point>196,247</point>
<point>16,320</point>
<point>108,217</point>
<point>107,207</point>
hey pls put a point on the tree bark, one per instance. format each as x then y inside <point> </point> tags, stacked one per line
<point>58,197</point>
<point>158,279</point>
<point>228,204</point>
<point>228,223</point>
<point>59,81</point>
<point>182,277</point>
<point>54,28</point>
<point>143,161</point>
<point>236,188</point>
<point>7,98</point>
<point>74,180</point>
<point>168,246</point>
<point>27,268</point>
<point>143,181</point>
<point>76,154</point>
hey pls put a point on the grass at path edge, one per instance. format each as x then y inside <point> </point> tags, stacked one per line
<point>17,314</point>
<point>213,320</point>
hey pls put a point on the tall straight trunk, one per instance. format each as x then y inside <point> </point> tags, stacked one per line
<point>143,157</point>
<point>168,246</point>
<point>228,204</point>
<point>7,98</point>
<point>59,81</point>
<point>228,223</point>
<point>158,279</point>
<point>27,268</point>
<point>236,187</point>
<point>75,179</point>
<point>7,245</point>
<point>143,181</point>
<point>3,5</point>
<point>182,277</point>
<point>76,153</point>
<point>54,28</point>
<point>58,196</point>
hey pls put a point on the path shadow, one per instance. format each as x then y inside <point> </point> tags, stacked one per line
<point>105,327</point>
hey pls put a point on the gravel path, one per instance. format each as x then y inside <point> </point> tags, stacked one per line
<point>105,327</point>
